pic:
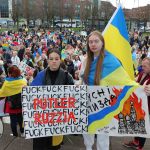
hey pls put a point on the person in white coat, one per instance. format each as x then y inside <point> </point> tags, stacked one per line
<point>15,59</point>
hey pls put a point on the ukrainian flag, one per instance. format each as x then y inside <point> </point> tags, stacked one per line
<point>117,41</point>
<point>113,74</point>
<point>5,46</point>
<point>117,70</point>
<point>12,86</point>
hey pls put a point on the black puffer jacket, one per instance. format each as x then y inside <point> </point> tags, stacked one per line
<point>59,77</point>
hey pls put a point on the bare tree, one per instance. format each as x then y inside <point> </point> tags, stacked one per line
<point>85,11</point>
<point>61,11</point>
<point>15,12</point>
<point>106,11</point>
<point>139,15</point>
<point>144,15</point>
<point>71,10</point>
<point>26,10</point>
<point>50,11</point>
<point>37,10</point>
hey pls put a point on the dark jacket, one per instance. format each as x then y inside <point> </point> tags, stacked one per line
<point>144,79</point>
<point>29,63</point>
<point>43,78</point>
<point>63,78</point>
<point>70,68</point>
<point>21,54</point>
<point>45,64</point>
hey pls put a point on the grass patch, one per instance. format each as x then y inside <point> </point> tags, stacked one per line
<point>146,33</point>
<point>76,29</point>
<point>7,29</point>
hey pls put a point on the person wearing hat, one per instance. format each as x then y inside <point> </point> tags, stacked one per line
<point>77,62</point>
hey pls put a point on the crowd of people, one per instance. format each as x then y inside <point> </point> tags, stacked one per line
<point>65,58</point>
<point>31,48</point>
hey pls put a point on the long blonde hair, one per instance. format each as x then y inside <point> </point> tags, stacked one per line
<point>90,58</point>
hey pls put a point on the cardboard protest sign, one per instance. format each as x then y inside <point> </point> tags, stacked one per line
<point>60,110</point>
<point>118,111</point>
<point>54,110</point>
<point>25,69</point>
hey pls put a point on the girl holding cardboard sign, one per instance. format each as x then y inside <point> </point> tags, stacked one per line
<point>53,75</point>
<point>101,68</point>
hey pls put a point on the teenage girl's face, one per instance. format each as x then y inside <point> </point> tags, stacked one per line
<point>54,61</point>
<point>95,44</point>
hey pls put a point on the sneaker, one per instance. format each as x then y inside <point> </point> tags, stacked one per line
<point>131,144</point>
<point>12,135</point>
<point>22,135</point>
<point>139,148</point>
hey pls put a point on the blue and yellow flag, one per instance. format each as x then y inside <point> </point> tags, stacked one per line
<point>117,69</point>
<point>117,41</point>
<point>5,46</point>
<point>102,118</point>
<point>112,74</point>
<point>12,86</point>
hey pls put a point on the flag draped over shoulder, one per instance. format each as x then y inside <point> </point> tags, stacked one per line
<point>102,118</point>
<point>117,69</point>
<point>117,41</point>
<point>112,74</point>
<point>12,86</point>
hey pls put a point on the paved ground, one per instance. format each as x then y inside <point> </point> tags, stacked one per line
<point>8,142</point>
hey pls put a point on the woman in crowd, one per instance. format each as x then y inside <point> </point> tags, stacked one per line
<point>2,76</point>
<point>28,60</point>
<point>37,59</point>
<point>93,72</point>
<point>53,75</point>
<point>11,89</point>
<point>77,62</point>
<point>70,66</point>
<point>143,78</point>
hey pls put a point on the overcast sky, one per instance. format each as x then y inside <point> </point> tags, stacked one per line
<point>130,3</point>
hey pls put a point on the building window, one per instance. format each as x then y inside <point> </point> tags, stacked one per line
<point>4,11</point>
